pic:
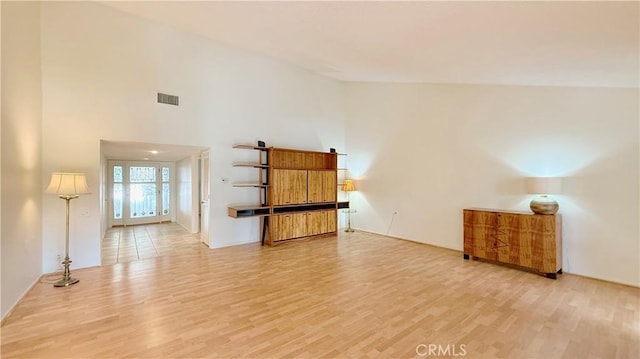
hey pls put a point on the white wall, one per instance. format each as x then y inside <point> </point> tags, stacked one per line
<point>187,193</point>
<point>429,151</point>
<point>101,70</point>
<point>22,186</point>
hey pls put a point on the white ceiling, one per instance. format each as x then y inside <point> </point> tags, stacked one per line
<point>518,43</point>
<point>138,151</point>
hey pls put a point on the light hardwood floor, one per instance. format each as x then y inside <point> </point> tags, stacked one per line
<point>355,295</point>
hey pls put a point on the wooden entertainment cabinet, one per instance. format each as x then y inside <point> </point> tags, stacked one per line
<point>533,241</point>
<point>298,193</point>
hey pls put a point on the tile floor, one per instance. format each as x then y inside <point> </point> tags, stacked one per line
<point>132,243</point>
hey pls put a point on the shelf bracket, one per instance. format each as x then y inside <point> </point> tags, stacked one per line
<point>265,223</point>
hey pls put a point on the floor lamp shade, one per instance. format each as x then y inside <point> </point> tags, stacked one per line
<point>348,186</point>
<point>544,186</point>
<point>67,186</point>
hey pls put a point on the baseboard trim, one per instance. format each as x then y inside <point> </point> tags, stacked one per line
<point>224,245</point>
<point>36,281</point>
<point>459,251</point>
<point>407,240</point>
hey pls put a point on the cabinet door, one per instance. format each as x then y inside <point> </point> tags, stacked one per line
<point>315,190</point>
<point>300,225</point>
<point>546,247</point>
<point>288,226</point>
<point>281,227</point>
<point>484,231</point>
<point>332,220</point>
<point>526,240</point>
<point>322,186</point>
<point>329,186</point>
<point>321,222</point>
<point>511,241</point>
<point>289,187</point>
<point>316,223</point>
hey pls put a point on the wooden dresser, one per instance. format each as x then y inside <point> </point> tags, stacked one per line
<point>524,239</point>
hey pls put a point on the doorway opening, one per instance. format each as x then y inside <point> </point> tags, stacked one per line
<point>152,200</point>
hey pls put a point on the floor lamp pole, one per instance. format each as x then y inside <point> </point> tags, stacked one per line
<point>66,277</point>
<point>349,229</point>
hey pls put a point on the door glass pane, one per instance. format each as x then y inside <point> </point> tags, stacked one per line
<point>117,200</point>
<point>165,198</point>
<point>117,192</point>
<point>165,174</point>
<point>143,199</point>
<point>117,174</point>
<point>142,174</point>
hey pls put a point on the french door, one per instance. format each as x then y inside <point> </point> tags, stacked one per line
<point>140,192</point>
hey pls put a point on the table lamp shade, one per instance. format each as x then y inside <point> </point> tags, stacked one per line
<point>348,186</point>
<point>67,184</point>
<point>544,185</point>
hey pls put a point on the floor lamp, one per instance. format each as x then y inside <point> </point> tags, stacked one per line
<point>67,186</point>
<point>348,186</point>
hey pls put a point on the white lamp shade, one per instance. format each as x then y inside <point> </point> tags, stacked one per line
<point>544,185</point>
<point>68,184</point>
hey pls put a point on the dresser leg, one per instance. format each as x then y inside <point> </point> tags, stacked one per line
<point>560,271</point>
<point>465,256</point>
<point>551,275</point>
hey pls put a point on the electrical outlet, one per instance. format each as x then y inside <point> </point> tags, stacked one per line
<point>59,257</point>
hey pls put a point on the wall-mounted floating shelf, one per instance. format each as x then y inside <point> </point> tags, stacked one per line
<point>257,185</point>
<point>250,147</point>
<point>250,164</point>
<point>248,211</point>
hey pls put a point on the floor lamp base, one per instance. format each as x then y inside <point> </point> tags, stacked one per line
<point>349,230</point>
<point>65,282</point>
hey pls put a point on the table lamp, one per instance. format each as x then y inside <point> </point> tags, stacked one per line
<point>543,187</point>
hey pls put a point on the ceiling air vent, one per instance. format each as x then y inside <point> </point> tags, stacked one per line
<point>168,99</point>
